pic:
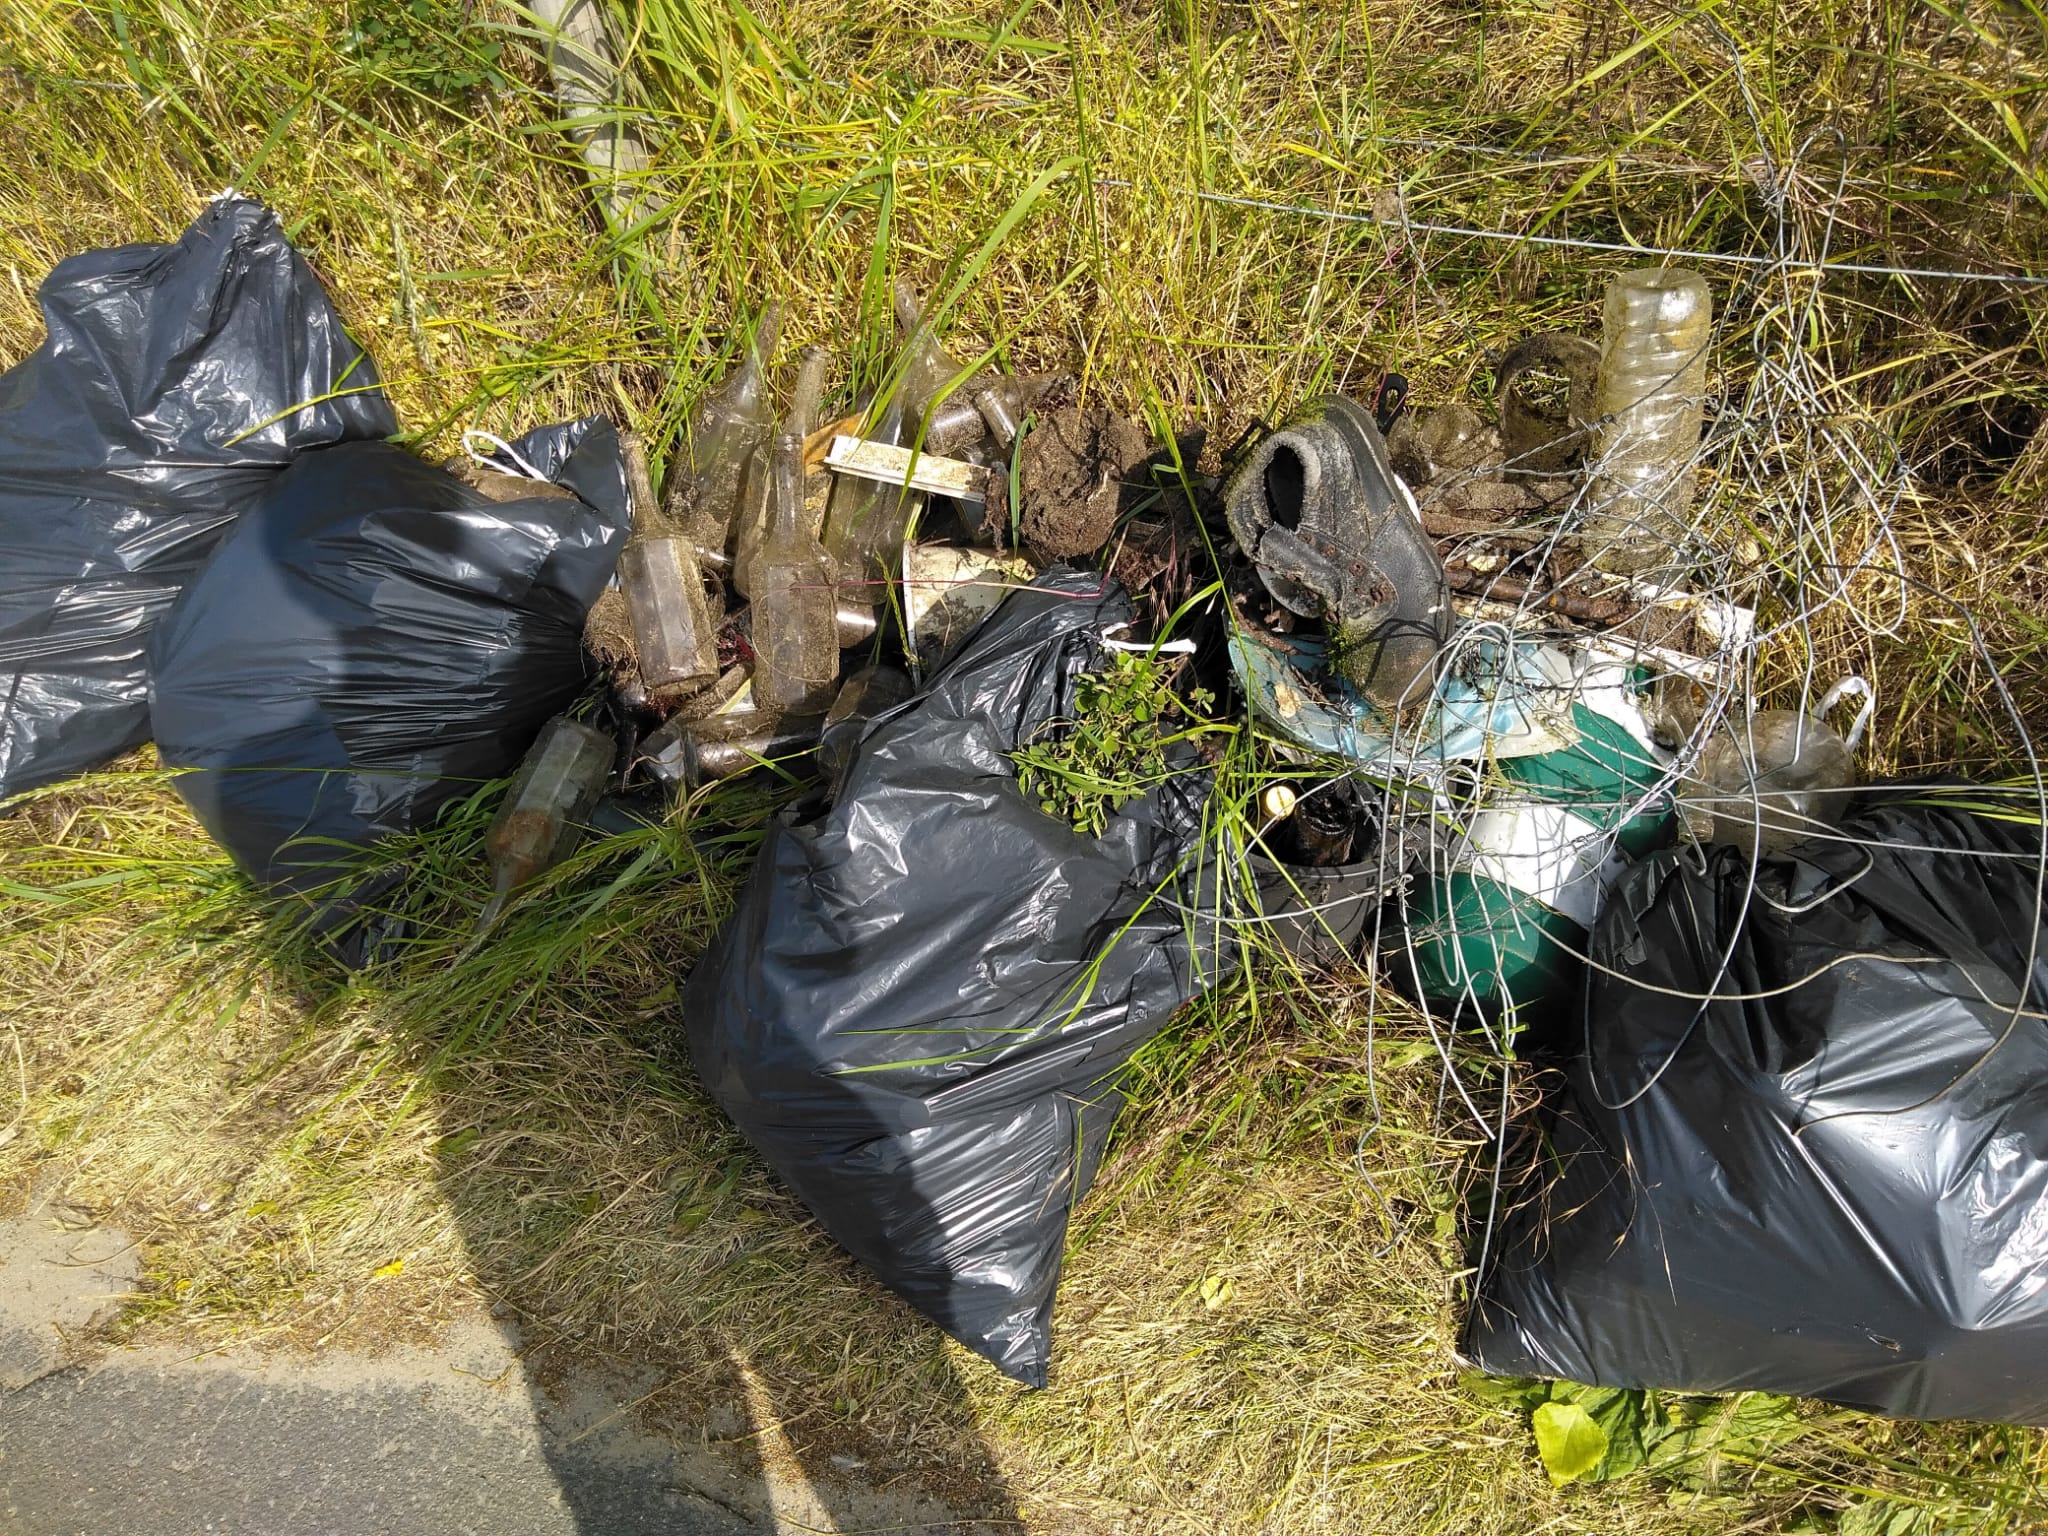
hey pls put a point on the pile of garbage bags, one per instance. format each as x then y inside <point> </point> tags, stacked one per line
<point>1795,1140</point>
<point>175,383</point>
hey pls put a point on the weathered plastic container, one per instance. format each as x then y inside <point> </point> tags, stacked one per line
<point>546,806</point>
<point>796,601</point>
<point>725,428</point>
<point>1765,783</point>
<point>1501,929</point>
<point>1655,329</point>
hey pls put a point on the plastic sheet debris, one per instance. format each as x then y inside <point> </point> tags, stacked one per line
<point>1801,1144</point>
<point>174,384</point>
<point>1335,535</point>
<point>948,591</point>
<point>372,640</point>
<point>920,1043</point>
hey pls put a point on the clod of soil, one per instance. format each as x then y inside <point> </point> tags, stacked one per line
<point>608,632</point>
<point>1071,476</point>
<point>499,486</point>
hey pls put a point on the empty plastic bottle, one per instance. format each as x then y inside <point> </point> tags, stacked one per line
<point>726,426</point>
<point>545,808</point>
<point>673,632</point>
<point>1765,783</point>
<point>796,619</point>
<point>1652,383</point>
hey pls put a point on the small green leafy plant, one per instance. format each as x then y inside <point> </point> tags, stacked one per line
<point>1114,748</point>
<point>1595,1434</point>
<point>426,46</point>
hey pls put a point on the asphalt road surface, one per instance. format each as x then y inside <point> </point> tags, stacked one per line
<point>439,1441</point>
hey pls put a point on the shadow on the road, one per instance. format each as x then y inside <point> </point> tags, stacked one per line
<point>663,1395</point>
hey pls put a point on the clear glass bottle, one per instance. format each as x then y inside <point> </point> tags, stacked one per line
<point>546,806</point>
<point>750,525</point>
<point>1652,385</point>
<point>796,618</point>
<point>865,520</point>
<point>726,426</point>
<point>674,636</point>
<point>686,753</point>
<point>928,369</point>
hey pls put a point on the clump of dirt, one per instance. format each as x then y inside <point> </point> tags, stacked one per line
<point>608,632</point>
<point>499,486</point>
<point>1071,475</point>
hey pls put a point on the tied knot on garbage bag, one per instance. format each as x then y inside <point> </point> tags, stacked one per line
<point>920,1006</point>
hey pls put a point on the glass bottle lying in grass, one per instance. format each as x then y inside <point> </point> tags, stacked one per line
<point>1113,749</point>
<point>673,632</point>
<point>546,807</point>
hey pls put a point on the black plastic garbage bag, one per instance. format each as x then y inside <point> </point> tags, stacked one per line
<point>919,1008</point>
<point>176,380</point>
<point>1834,1182</point>
<point>373,640</point>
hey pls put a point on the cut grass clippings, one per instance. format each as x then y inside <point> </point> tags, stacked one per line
<point>1207,212</point>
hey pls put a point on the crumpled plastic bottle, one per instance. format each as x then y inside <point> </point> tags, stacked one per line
<point>1765,783</point>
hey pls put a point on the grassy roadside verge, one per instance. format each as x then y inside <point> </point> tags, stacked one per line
<point>1252,1337</point>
